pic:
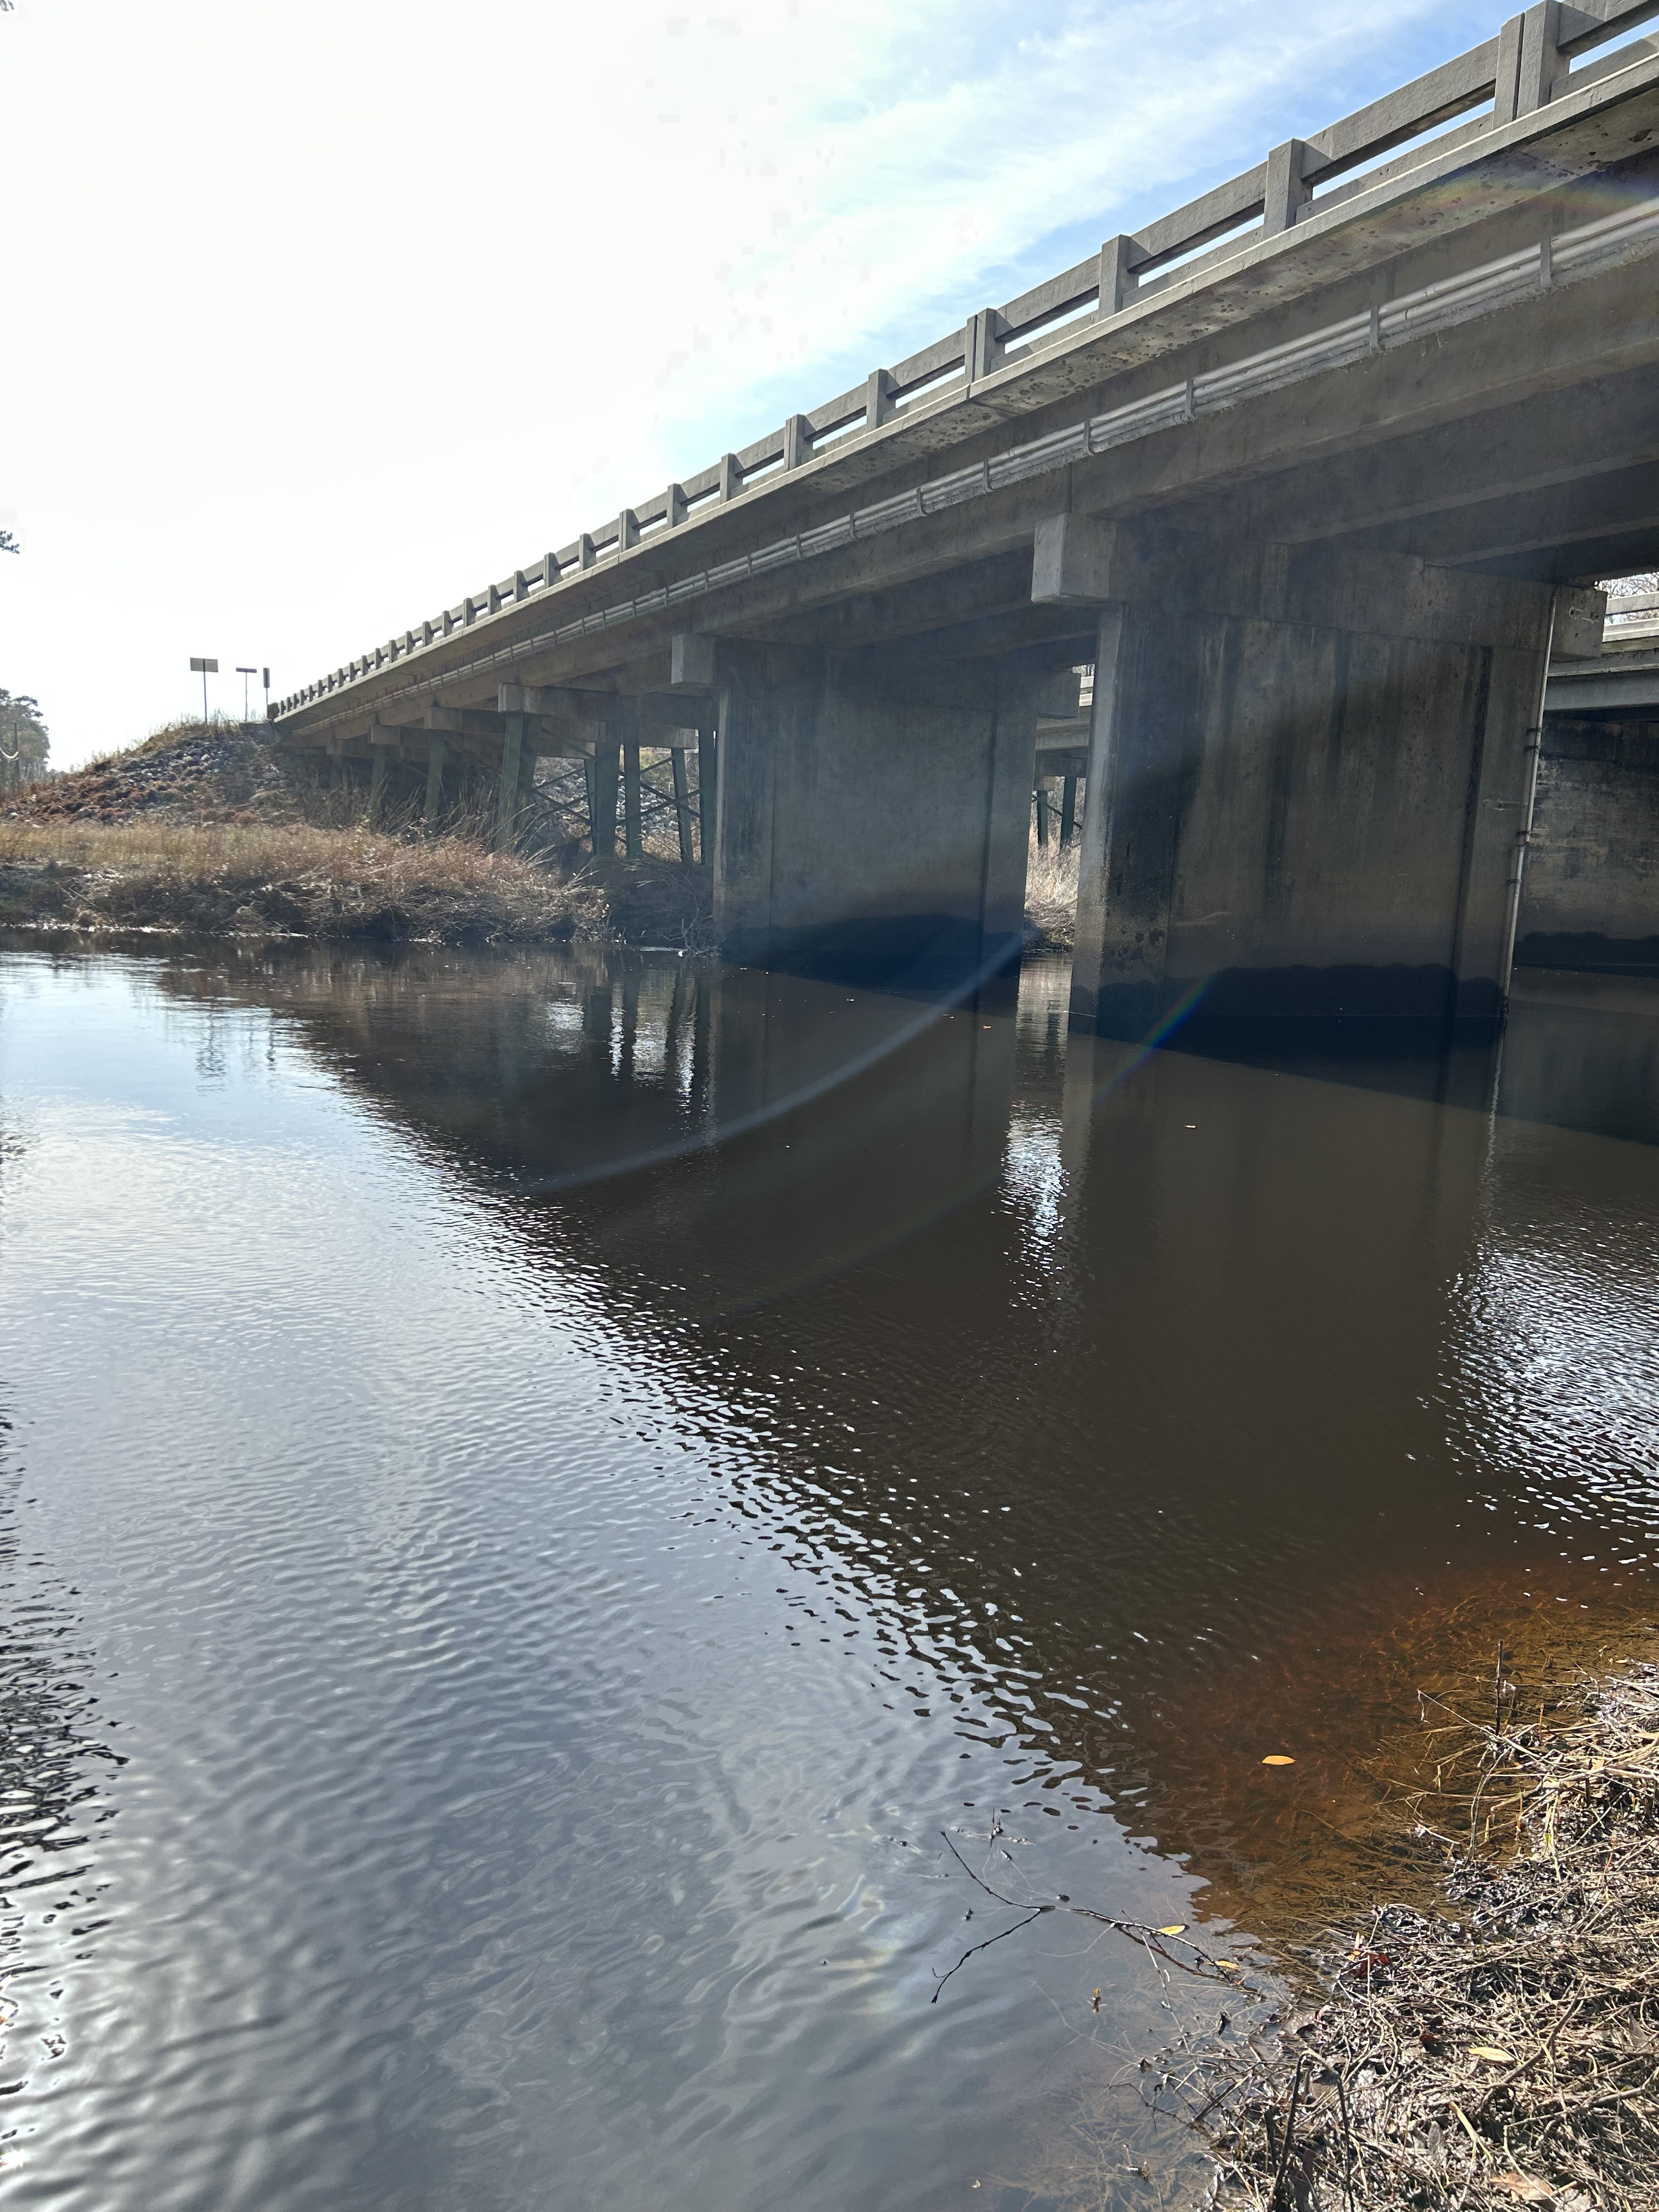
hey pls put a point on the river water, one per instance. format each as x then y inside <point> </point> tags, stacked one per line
<point>553,1507</point>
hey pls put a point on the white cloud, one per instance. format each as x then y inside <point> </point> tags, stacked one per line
<point>321,318</point>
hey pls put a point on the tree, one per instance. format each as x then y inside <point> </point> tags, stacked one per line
<point>24,744</point>
<point>8,543</point>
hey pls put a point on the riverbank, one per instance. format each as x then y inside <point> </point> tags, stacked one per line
<point>297,878</point>
<point>202,830</point>
<point>1502,2047</point>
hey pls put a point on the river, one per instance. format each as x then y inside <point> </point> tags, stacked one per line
<point>557,1509</point>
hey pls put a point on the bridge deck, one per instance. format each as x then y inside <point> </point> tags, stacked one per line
<point>1226,301</point>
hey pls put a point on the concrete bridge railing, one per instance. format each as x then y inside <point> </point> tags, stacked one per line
<point>1536,57</point>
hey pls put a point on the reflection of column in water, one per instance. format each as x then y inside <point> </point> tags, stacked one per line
<point>623,1057</point>
<point>597,1022</point>
<point>698,1097</point>
<point>677,1052</point>
<point>655,991</point>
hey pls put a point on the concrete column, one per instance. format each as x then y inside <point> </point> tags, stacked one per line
<point>1042,818</point>
<point>507,814</point>
<point>1068,811</point>
<point>1308,772</point>
<point>873,813</point>
<point>682,805</point>
<point>633,840</point>
<point>434,780</point>
<point>606,762</point>
<point>377,783</point>
<point>1591,895</point>
<point>708,792</point>
<point>527,781</point>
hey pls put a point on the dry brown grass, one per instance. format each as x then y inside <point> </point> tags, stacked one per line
<point>294,877</point>
<point>1051,890</point>
<point>1503,2050</point>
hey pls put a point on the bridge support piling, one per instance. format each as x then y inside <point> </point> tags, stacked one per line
<point>434,780</point>
<point>607,760</point>
<point>633,838</point>
<point>681,803</point>
<point>1308,778</point>
<point>873,813</point>
<point>1591,895</point>
<point>506,812</point>
<point>377,784</point>
<point>708,791</point>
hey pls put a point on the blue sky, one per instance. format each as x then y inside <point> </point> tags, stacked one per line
<point>333,313</point>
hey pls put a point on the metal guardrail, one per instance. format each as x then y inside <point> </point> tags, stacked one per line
<point>1530,62</point>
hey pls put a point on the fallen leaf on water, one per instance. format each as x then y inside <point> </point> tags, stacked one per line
<point>1278,1759</point>
<point>1524,2186</point>
<point>1095,2007</point>
<point>1490,2051</point>
<point>1175,1928</point>
<point>1230,1965</point>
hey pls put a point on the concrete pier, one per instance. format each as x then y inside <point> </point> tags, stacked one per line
<point>872,811</point>
<point>1592,891</point>
<point>1310,780</point>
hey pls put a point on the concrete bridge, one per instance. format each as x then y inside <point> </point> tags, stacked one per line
<point>1312,470</point>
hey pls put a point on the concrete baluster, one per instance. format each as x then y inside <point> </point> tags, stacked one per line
<point>1286,192</point>
<point>1117,282</point>
<point>982,344</point>
<point>1529,61</point>
<point>797,440</point>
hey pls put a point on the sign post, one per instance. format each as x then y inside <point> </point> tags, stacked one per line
<point>245,673</point>
<point>203,669</point>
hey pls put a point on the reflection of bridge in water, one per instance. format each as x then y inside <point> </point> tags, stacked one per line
<point>1128,1412</point>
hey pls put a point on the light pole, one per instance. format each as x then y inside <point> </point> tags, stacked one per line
<point>245,673</point>
<point>203,669</point>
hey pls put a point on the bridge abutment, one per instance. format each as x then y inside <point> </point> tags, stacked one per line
<point>1310,772</point>
<point>872,814</point>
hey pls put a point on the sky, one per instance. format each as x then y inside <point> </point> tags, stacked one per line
<point>318,317</point>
